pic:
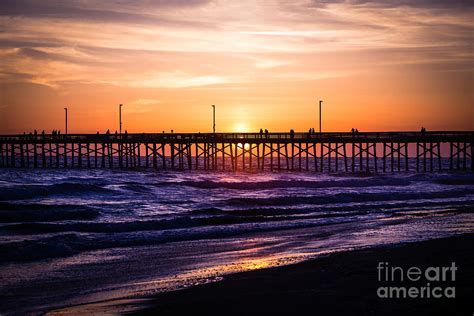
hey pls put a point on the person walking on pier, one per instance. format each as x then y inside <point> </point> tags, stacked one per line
<point>292,134</point>
<point>266,133</point>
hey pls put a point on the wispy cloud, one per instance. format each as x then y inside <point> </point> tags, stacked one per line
<point>139,106</point>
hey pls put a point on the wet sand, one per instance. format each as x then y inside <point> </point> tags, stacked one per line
<point>337,284</point>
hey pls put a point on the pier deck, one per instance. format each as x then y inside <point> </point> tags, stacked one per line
<point>349,152</point>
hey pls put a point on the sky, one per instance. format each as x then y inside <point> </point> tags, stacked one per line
<point>383,65</point>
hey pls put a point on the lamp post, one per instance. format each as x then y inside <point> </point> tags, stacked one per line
<point>65,109</point>
<point>214,118</point>
<point>320,104</point>
<point>120,118</point>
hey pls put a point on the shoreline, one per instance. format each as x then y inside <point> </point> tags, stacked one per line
<point>339,283</point>
<point>342,283</point>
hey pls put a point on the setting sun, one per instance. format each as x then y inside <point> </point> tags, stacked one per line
<point>241,127</point>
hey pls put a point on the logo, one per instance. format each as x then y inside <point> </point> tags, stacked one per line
<point>416,282</point>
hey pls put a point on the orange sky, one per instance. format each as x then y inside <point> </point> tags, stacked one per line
<point>378,65</point>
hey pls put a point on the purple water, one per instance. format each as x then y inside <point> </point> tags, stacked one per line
<point>80,236</point>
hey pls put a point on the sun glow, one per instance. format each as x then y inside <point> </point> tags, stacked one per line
<point>241,127</point>
<point>243,146</point>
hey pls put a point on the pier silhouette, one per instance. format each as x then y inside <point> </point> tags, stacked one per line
<point>309,151</point>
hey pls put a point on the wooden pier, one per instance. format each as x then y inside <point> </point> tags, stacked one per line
<point>317,152</point>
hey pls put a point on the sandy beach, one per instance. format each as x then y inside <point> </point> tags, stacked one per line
<point>338,284</point>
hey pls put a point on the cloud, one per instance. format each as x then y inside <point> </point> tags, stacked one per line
<point>175,79</point>
<point>146,102</point>
<point>141,105</point>
<point>139,12</point>
<point>181,44</point>
<point>398,3</point>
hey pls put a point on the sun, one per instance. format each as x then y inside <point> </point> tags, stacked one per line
<point>240,127</point>
<point>243,146</point>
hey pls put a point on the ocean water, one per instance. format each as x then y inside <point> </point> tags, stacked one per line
<point>70,237</point>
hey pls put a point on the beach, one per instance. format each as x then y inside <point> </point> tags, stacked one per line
<point>337,284</point>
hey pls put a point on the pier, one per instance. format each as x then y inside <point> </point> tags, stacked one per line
<point>317,152</point>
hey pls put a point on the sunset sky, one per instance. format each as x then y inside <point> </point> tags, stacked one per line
<point>378,65</point>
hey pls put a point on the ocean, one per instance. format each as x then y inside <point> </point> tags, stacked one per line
<point>71,237</point>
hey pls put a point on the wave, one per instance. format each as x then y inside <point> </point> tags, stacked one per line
<point>52,247</point>
<point>68,244</point>
<point>29,191</point>
<point>347,198</point>
<point>465,180</point>
<point>338,181</point>
<point>218,217</point>
<point>10,212</point>
<point>94,186</point>
<point>133,226</point>
<point>373,208</point>
<point>275,184</point>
